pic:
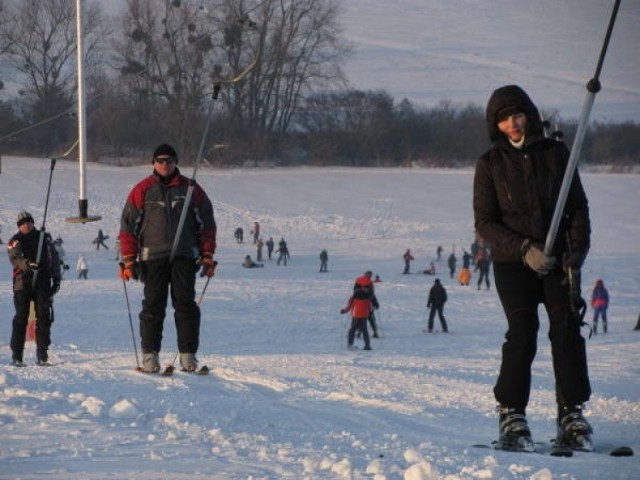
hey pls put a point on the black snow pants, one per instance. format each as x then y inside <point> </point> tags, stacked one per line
<point>41,297</point>
<point>162,277</point>
<point>521,290</point>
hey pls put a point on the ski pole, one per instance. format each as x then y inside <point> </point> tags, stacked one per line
<point>593,87</point>
<point>216,90</point>
<point>133,336</point>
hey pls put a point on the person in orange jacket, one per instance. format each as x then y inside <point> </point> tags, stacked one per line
<point>360,307</point>
<point>364,281</point>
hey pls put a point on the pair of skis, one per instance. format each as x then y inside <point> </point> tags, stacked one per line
<point>170,370</point>
<point>558,449</point>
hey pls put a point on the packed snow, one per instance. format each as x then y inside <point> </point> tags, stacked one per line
<point>285,398</point>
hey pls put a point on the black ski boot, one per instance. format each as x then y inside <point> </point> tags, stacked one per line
<point>514,432</point>
<point>574,431</point>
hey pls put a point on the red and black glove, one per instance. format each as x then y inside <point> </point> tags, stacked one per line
<point>207,265</point>
<point>129,268</point>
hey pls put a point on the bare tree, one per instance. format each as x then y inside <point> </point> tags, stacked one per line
<point>302,52</point>
<point>165,51</point>
<point>41,46</point>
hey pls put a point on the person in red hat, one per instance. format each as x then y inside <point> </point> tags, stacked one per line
<point>148,228</point>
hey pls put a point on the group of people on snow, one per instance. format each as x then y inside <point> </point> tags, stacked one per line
<point>513,219</point>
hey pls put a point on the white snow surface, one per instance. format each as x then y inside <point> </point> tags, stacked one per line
<point>461,50</point>
<point>285,398</point>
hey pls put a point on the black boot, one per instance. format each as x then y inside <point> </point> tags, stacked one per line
<point>514,431</point>
<point>573,429</point>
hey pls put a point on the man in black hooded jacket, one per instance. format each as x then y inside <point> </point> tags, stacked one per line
<point>516,187</point>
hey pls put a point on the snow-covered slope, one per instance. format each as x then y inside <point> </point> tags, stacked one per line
<point>461,50</point>
<point>286,399</point>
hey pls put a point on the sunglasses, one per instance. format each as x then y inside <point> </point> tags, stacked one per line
<point>165,159</point>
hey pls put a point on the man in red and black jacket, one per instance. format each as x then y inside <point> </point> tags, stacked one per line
<point>148,227</point>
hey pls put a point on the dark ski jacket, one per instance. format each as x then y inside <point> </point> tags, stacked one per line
<point>23,249</point>
<point>515,190</point>
<point>151,215</point>
<point>437,295</point>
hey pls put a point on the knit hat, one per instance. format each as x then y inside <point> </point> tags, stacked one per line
<point>506,112</point>
<point>24,217</point>
<point>165,150</point>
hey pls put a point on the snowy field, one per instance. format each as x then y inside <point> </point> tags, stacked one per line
<point>461,50</point>
<point>286,399</point>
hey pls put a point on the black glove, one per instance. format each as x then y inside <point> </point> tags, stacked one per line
<point>55,286</point>
<point>574,260</point>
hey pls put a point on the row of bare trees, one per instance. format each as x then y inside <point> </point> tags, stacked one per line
<point>152,69</point>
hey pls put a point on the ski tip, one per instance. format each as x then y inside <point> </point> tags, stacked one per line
<point>561,452</point>
<point>621,452</point>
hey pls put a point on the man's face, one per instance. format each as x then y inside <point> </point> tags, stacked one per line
<point>165,165</point>
<point>513,126</point>
<point>26,227</point>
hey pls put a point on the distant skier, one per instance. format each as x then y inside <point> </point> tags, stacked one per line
<point>435,302</point>
<point>365,284</point>
<point>249,263</point>
<point>439,252</point>
<point>324,258</point>
<point>599,303</point>
<point>283,252</point>
<point>99,240</point>
<point>255,232</point>
<point>259,247</point>
<point>431,269</point>
<point>360,306</point>
<point>269,243</point>
<point>483,264</point>
<point>238,234</point>
<point>451,263</point>
<point>408,258</point>
<point>82,268</point>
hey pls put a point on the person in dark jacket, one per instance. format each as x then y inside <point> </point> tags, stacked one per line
<point>324,258</point>
<point>269,243</point>
<point>408,258</point>
<point>99,240</point>
<point>35,280</point>
<point>516,188</point>
<point>437,299</point>
<point>599,303</point>
<point>148,228</point>
<point>483,265</point>
<point>238,234</point>
<point>451,263</point>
